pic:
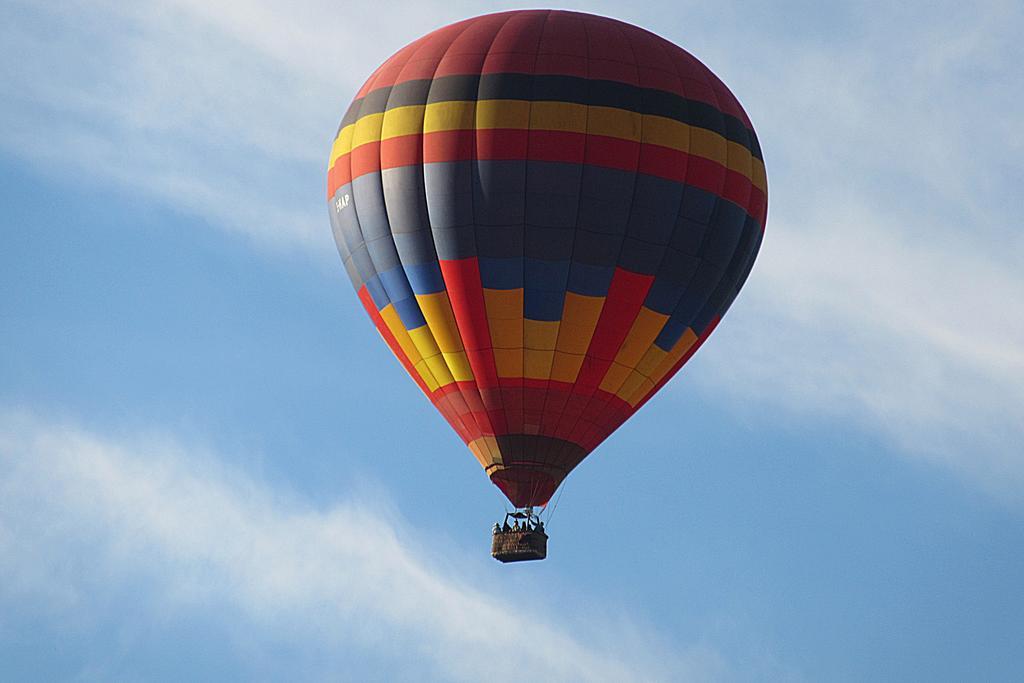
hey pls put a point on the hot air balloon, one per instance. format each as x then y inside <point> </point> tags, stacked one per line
<point>545,214</point>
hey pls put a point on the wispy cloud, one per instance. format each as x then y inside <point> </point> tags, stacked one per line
<point>888,289</point>
<point>224,111</point>
<point>918,342</point>
<point>81,513</point>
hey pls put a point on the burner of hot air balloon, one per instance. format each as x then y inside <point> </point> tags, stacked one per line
<point>545,214</point>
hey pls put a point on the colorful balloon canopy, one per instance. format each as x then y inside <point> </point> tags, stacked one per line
<point>545,214</point>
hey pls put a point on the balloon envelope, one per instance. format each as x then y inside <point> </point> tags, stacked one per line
<point>545,214</point>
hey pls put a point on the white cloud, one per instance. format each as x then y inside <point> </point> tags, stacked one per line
<point>888,289</point>
<point>856,320</point>
<point>80,514</point>
<point>220,110</point>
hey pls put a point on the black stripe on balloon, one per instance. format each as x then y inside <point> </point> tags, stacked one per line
<point>548,88</point>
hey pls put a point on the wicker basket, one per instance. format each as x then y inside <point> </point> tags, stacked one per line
<point>519,546</point>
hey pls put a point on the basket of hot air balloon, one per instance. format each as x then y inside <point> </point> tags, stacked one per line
<point>524,539</point>
<point>545,214</point>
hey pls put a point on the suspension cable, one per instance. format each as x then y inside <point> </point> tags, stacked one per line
<point>551,514</point>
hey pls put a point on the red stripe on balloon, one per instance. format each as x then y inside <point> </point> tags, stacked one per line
<point>338,175</point>
<point>404,150</point>
<point>502,143</point>
<point>626,295</point>
<point>612,153</point>
<point>449,145</point>
<point>466,294</point>
<point>365,159</point>
<point>556,146</point>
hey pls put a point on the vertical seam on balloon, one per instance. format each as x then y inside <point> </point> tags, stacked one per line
<point>522,313</point>
<point>526,224</point>
<point>593,393</point>
<point>725,284</point>
<point>348,160</point>
<point>628,32</point>
<point>746,270</point>
<point>739,275</point>
<point>363,240</point>
<point>701,260</point>
<point>397,255</point>
<point>554,448</point>
<point>445,393</point>
<point>433,395</point>
<point>342,247</point>
<point>355,207</point>
<point>632,202</point>
<point>475,169</point>
<point>682,86</point>
<point>756,247</point>
<point>718,201</point>
<point>675,225</point>
<point>474,385</point>
<point>543,448</point>
<point>543,28</point>
<point>526,182</point>
<point>473,164</point>
<point>457,388</point>
<point>439,393</point>
<point>563,449</point>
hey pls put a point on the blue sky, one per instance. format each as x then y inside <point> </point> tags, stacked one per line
<point>211,468</point>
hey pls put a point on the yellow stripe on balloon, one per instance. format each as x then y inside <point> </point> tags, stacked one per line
<point>650,360</point>
<point>635,383</point>
<point>513,114</point>
<point>539,338</point>
<point>437,311</point>
<point>508,362</point>
<point>614,377</point>
<point>614,123</point>
<point>424,341</point>
<point>560,116</point>
<point>537,364</point>
<point>486,451</point>
<point>541,335</point>
<point>641,336</point>
<point>367,129</point>
<point>402,121</point>
<point>568,117</point>
<point>342,144</point>
<point>405,342</point>
<point>639,339</point>
<point>504,304</point>
<point>505,319</point>
<point>565,367</point>
<point>664,364</point>
<point>580,314</point>
<point>442,116</point>
<point>506,334</point>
